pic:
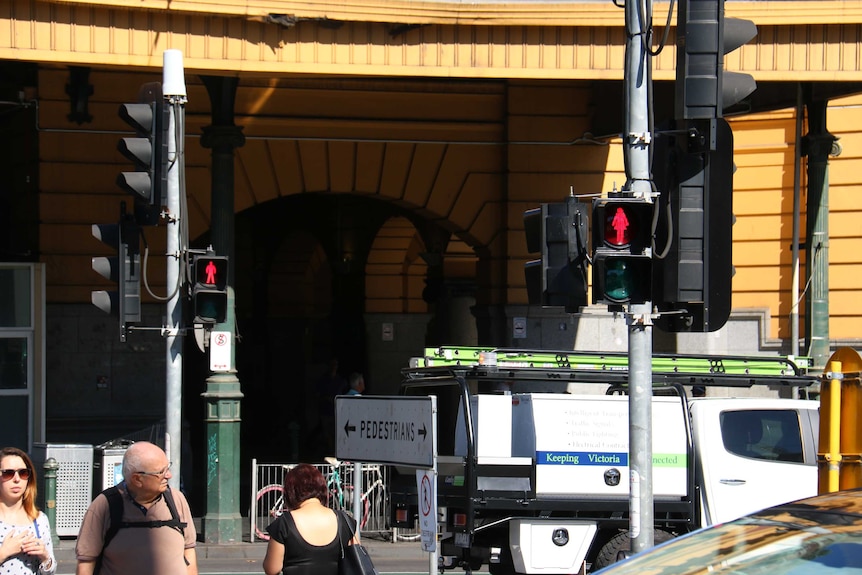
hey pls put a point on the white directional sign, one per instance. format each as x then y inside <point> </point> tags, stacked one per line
<point>383,429</point>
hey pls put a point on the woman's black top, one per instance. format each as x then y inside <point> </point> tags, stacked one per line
<point>303,558</point>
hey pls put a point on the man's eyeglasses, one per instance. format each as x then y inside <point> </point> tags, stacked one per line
<point>157,473</point>
<point>8,474</point>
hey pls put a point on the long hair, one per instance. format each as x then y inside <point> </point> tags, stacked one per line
<point>29,502</point>
<point>302,483</point>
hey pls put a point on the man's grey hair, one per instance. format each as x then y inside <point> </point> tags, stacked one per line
<point>133,459</point>
<point>354,379</point>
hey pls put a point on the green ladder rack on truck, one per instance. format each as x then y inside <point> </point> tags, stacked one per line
<point>611,367</point>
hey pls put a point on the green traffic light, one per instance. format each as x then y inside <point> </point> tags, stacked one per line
<point>210,307</point>
<point>619,280</point>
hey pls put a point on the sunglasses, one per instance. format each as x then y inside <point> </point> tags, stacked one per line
<point>8,474</point>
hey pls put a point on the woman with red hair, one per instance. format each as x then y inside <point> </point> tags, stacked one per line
<point>309,537</point>
<point>25,534</point>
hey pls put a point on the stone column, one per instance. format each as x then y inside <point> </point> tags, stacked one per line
<point>819,144</point>
<point>223,522</point>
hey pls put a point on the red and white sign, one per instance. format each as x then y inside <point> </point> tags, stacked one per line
<point>220,350</point>
<point>426,486</point>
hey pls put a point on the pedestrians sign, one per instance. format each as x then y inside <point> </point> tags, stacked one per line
<point>382,429</point>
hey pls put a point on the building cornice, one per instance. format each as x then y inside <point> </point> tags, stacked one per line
<point>585,13</point>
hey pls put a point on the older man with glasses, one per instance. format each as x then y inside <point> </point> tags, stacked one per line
<point>164,540</point>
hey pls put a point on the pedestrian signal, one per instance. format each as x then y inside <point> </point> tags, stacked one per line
<point>209,292</point>
<point>622,250</point>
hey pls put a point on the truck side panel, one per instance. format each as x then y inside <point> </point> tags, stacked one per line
<point>581,444</point>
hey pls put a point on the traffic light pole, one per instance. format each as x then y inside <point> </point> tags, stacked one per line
<point>174,90</point>
<point>637,138</point>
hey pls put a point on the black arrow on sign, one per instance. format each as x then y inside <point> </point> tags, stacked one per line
<point>423,431</point>
<point>348,428</point>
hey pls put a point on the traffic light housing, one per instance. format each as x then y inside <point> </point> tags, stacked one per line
<point>695,171</point>
<point>622,250</point>
<point>209,290</point>
<point>124,269</point>
<point>694,279</point>
<point>704,36</point>
<point>148,150</point>
<point>558,232</point>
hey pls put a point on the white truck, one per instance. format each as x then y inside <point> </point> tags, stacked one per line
<point>533,473</point>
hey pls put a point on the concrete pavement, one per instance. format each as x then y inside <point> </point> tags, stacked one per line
<point>247,557</point>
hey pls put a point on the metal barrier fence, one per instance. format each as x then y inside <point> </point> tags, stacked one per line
<point>267,495</point>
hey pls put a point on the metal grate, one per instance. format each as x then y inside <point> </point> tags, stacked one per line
<point>267,479</point>
<point>74,482</point>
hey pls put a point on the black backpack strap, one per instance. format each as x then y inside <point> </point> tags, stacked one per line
<point>172,506</point>
<point>115,506</point>
<point>169,499</point>
<point>115,512</point>
<point>174,522</point>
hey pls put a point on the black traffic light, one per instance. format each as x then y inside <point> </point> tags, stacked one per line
<point>209,291</point>
<point>557,232</point>
<point>150,118</point>
<point>693,280</point>
<point>703,89</point>
<point>622,250</point>
<point>124,269</point>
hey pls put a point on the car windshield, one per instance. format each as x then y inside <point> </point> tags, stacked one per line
<point>784,544</point>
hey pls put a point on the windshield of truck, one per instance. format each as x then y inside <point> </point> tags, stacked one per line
<point>448,393</point>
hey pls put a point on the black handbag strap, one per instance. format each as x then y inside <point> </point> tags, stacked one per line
<point>344,526</point>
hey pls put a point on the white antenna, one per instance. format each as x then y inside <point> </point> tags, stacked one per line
<point>173,75</point>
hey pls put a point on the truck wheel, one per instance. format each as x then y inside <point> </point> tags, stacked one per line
<point>622,542</point>
<point>501,569</point>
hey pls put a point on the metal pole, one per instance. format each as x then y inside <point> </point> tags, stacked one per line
<point>174,92</point>
<point>797,216</point>
<point>357,496</point>
<point>834,377</point>
<point>640,427</point>
<point>637,127</point>
<point>50,468</point>
<point>434,556</point>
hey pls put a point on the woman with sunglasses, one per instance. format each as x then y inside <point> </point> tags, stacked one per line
<point>25,535</point>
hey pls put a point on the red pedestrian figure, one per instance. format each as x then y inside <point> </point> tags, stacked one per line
<point>620,224</point>
<point>211,272</point>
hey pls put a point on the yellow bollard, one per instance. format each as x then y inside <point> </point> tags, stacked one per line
<point>829,454</point>
<point>839,457</point>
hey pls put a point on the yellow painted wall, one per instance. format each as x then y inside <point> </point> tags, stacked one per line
<point>305,109</point>
<point>763,204</point>
<point>79,165</point>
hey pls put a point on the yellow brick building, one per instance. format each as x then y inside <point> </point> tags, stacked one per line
<point>387,152</point>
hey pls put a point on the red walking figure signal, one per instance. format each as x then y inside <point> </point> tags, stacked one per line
<point>209,292</point>
<point>622,250</point>
<point>211,273</point>
<point>620,224</point>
